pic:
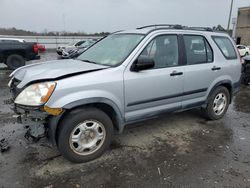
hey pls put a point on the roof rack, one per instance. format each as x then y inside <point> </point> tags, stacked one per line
<point>201,28</point>
<point>176,26</point>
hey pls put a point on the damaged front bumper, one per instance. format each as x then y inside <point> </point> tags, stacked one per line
<point>35,122</point>
<point>38,122</point>
<point>33,118</point>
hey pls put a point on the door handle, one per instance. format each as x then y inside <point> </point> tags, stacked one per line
<point>175,73</point>
<point>215,68</point>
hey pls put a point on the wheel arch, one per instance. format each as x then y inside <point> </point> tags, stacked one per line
<point>14,52</point>
<point>227,84</point>
<point>106,105</point>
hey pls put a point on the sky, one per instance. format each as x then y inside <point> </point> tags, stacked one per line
<point>111,15</point>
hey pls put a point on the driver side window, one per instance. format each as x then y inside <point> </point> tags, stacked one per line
<point>163,50</point>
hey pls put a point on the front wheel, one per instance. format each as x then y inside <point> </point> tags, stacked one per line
<point>84,135</point>
<point>218,103</point>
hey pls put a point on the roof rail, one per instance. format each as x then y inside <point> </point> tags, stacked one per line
<point>201,28</point>
<point>176,26</point>
<point>173,26</point>
<point>116,31</point>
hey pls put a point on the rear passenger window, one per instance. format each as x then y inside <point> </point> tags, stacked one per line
<point>226,47</point>
<point>197,50</point>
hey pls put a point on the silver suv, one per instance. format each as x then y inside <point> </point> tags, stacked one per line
<point>126,77</point>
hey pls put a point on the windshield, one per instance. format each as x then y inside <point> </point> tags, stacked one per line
<point>71,43</point>
<point>112,50</point>
<point>87,43</point>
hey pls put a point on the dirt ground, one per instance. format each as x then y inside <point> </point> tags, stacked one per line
<point>177,150</point>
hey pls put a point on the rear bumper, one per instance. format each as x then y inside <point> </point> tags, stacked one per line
<point>33,57</point>
<point>236,87</point>
<point>37,57</point>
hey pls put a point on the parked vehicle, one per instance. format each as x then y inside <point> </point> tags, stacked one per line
<point>246,70</point>
<point>14,52</point>
<point>41,48</point>
<point>243,50</point>
<point>69,46</point>
<point>128,76</point>
<point>70,53</point>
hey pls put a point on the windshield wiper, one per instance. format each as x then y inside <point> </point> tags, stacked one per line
<point>88,61</point>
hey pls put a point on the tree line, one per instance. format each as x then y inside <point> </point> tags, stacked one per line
<point>22,32</point>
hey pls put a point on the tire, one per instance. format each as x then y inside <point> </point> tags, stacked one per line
<point>245,79</point>
<point>15,61</point>
<point>246,53</point>
<point>76,132</point>
<point>210,111</point>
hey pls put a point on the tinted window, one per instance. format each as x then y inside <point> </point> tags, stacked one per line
<point>226,47</point>
<point>197,50</point>
<point>164,50</point>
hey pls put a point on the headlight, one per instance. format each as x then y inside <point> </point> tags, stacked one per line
<point>36,94</point>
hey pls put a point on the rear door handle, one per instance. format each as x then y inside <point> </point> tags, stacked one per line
<point>215,68</point>
<point>175,73</point>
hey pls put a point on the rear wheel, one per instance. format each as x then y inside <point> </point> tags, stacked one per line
<point>218,103</point>
<point>84,135</point>
<point>15,61</point>
<point>245,79</point>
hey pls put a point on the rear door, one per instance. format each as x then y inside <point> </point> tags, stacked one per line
<point>230,62</point>
<point>153,91</point>
<point>200,70</point>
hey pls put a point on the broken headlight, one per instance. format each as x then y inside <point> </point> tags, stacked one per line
<point>36,94</point>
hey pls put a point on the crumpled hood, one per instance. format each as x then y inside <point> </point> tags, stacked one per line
<point>53,70</point>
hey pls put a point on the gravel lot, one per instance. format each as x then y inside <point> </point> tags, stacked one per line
<point>177,150</point>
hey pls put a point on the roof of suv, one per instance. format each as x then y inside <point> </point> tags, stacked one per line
<point>151,28</point>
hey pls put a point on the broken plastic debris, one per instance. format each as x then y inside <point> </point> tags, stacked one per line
<point>4,145</point>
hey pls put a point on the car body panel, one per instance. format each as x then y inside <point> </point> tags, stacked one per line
<point>52,70</point>
<point>86,86</point>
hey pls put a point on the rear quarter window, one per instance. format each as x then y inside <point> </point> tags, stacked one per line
<point>226,47</point>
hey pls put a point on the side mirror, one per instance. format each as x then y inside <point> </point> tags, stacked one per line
<point>143,63</point>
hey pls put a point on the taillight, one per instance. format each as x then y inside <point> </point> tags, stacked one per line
<point>241,59</point>
<point>35,48</point>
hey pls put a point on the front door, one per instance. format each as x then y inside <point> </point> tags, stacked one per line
<point>153,91</point>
